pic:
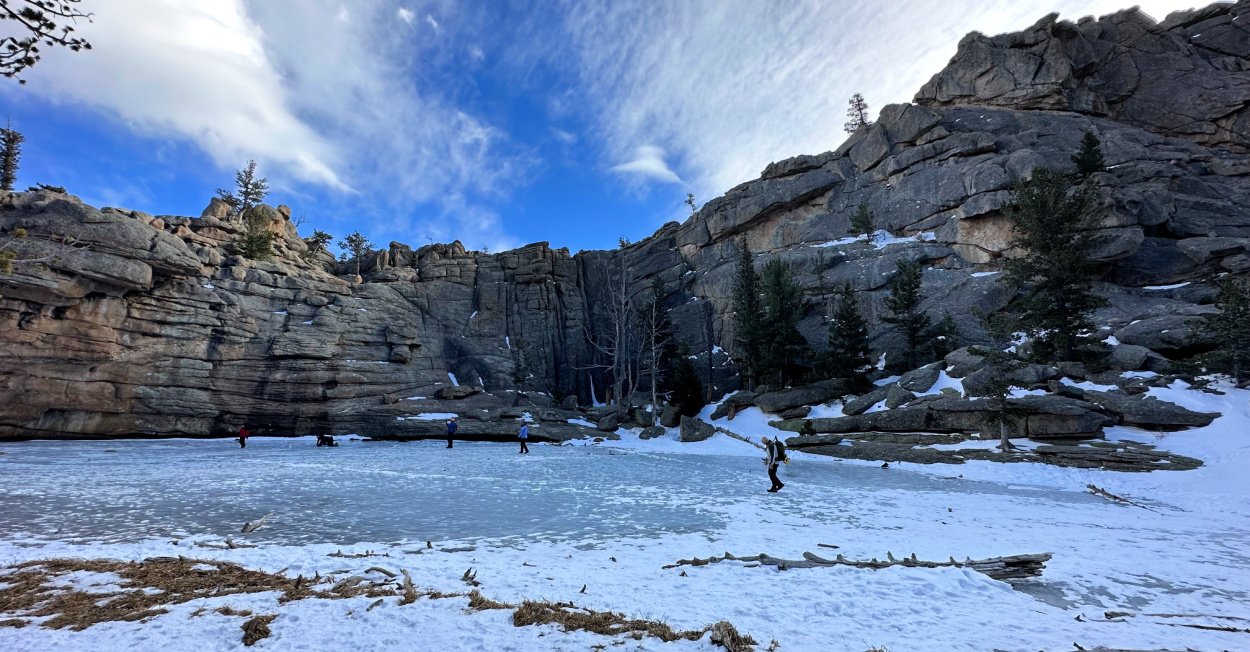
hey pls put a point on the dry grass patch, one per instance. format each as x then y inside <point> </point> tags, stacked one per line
<point>607,623</point>
<point>257,628</point>
<point>146,588</point>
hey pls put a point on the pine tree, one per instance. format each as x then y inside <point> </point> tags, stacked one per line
<point>37,24</point>
<point>944,336</point>
<point>358,246</point>
<point>862,222</point>
<point>857,111</point>
<point>1000,365</point>
<point>748,312</point>
<point>1052,218</point>
<point>250,190</point>
<point>1231,328</point>
<point>781,345</point>
<point>10,153</point>
<point>257,240</point>
<point>848,356</point>
<point>316,243</point>
<point>903,309</point>
<point>687,392</point>
<point>1088,158</point>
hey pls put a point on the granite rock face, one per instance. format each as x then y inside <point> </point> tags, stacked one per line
<point>137,325</point>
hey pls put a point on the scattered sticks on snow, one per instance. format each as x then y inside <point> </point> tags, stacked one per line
<point>999,568</point>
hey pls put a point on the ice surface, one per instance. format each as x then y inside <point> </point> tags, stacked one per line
<point>609,515</point>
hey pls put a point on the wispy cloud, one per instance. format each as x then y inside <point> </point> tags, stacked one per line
<point>730,85</point>
<point>405,14</point>
<point>648,163</point>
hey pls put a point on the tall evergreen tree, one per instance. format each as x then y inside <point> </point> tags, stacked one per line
<point>358,245</point>
<point>748,312</point>
<point>1231,328</point>
<point>250,190</point>
<point>997,388</point>
<point>857,111</point>
<point>903,309</point>
<point>848,356</point>
<point>782,346</point>
<point>862,222</point>
<point>1088,158</point>
<point>944,336</point>
<point>1051,218</point>
<point>10,153</point>
<point>687,392</point>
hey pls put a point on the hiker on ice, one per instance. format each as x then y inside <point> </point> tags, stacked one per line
<point>524,436</point>
<point>243,435</point>
<point>776,450</point>
<point>451,430</point>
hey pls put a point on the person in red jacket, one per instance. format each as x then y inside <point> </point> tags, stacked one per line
<point>243,434</point>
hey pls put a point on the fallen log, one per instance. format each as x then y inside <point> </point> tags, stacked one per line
<point>999,568</point>
<point>742,438</point>
<point>252,526</point>
<point>1099,491</point>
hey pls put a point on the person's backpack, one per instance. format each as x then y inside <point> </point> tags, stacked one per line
<point>781,451</point>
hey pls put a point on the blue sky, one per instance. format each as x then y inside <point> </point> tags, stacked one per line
<point>494,123</point>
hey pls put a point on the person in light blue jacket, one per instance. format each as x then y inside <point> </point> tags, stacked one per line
<point>524,436</point>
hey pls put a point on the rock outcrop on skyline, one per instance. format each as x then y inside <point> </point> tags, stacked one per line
<point>138,325</point>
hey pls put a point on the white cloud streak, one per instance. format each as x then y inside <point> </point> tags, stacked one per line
<point>730,85</point>
<point>321,97</point>
<point>648,163</point>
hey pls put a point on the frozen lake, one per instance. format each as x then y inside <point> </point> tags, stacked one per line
<point>610,517</point>
<point>126,491</point>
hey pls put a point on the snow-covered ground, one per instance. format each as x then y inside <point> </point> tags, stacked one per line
<point>610,515</point>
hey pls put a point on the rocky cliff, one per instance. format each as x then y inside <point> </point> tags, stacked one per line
<point>121,323</point>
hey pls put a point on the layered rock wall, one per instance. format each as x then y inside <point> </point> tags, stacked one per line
<point>125,324</point>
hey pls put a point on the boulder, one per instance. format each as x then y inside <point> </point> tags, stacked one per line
<point>733,404</point>
<point>1148,412</point>
<point>643,417</point>
<point>962,361</point>
<point>795,412</point>
<point>1043,417</point>
<point>1167,333</point>
<point>695,429</point>
<point>895,396</point>
<point>1026,376</point>
<point>1127,357</point>
<point>814,394</point>
<point>569,402</point>
<point>652,432</point>
<point>861,403</point>
<point>670,417</point>
<point>456,393</point>
<point>920,380</point>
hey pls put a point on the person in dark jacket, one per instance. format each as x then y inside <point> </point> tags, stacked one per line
<point>524,436</point>
<point>776,454</point>
<point>451,430</point>
<point>243,435</point>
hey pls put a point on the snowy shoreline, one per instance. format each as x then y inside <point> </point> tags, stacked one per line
<point>1183,552</point>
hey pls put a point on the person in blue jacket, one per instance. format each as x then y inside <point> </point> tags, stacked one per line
<point>451,430</point>
<point>524,436</point>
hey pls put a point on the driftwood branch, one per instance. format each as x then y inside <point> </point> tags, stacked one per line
<point>742,438</point>
<point>252,526</point>
<point>1099,491</point>
<point>999,568</point>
